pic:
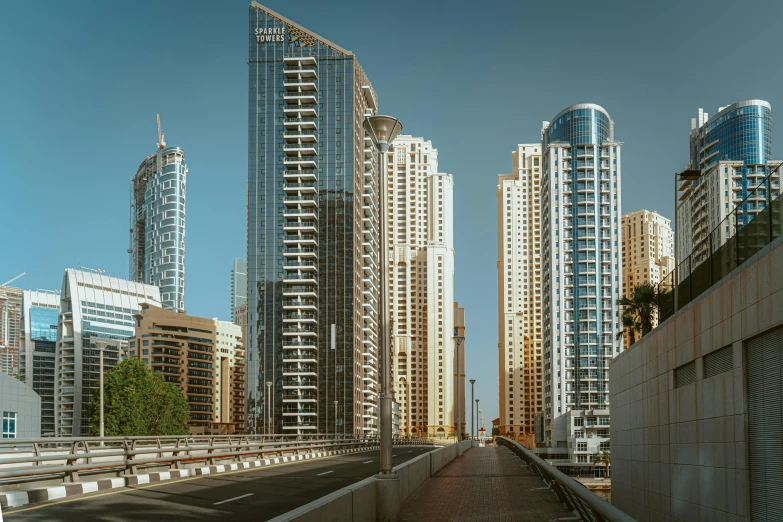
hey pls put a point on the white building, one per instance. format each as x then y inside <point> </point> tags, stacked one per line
<point>519,295</point>
<point>421,287</point>
<point>92,306</point>
<point>582,276</point>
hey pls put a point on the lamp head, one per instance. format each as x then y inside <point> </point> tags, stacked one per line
<point>382,130</point>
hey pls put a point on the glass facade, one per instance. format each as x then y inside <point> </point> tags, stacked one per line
<point>739,132</point>
<point>308,209</point>
<point>157,250</point>
<point>581,267</point>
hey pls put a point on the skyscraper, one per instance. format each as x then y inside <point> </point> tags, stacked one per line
<point>37,361</point>
<point>10,325</point>
<point>238,286</point>
<point>157,250</point>
<point>733,151</point>
<point>647,253</point>
<point>92,306</point>
<point>312,234</point>
<point>519,294</point>
<point>420,215</point>
<point>580,202</point>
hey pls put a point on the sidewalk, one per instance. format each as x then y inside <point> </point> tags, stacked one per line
<point>486,484</point>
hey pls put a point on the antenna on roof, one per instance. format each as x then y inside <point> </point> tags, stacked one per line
<point>161,137</point>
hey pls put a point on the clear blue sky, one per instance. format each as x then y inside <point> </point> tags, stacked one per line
<point>81,82</point>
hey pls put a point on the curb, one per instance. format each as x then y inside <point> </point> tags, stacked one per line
<point>21,498</point>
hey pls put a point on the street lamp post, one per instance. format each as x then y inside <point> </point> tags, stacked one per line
<point>101,345</point>
<point>268,421</point>
<point>477,416</point>
<point>335,418</point>
<point>382,131</point>
<point>472,422</point>
<point>458,340</point>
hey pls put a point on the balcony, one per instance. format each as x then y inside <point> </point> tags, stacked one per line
<point>299,304</point>
<point>299,279</point>
<point>300,264</point>
<point>300,175</point>
<point>300,226</point>
<point>301,123</point>
<point>301,136</point>
<point>303,71</point>
<point>300,84</point>
<point>303,201</point>
<point>300,291</point>
<point>301,98</point>
<point>301,239</point>
<point>306,149</point>
<point>301,111</point>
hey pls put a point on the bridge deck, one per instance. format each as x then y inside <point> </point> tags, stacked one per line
<point>486,484</point>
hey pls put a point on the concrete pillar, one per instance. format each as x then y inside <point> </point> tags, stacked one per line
<point>388,498</point>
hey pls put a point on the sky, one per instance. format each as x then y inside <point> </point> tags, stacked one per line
<point>81,83</point>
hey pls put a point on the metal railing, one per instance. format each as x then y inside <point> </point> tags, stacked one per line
<point>753,224</point>
<point>589,506</point>
<point>30,460</point>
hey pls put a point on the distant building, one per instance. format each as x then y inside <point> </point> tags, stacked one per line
<point>10,323</point>
<point>38,361</point>
<point>648,253</point>
<point>9,360</point>
<point>92,306</point>
<point>204,358</point>
<point>157,251</point>
<point>20,409</point>
<point>460,399</point>
<point>238,285</point>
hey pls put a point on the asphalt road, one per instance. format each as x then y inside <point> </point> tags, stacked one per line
<point>254,494</point>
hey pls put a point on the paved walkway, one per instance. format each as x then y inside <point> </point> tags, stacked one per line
<point>486,484</point>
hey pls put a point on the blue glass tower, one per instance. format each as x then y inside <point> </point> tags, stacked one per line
<point>312,234</point>
<point>739,132</point>
<point>580,214</point>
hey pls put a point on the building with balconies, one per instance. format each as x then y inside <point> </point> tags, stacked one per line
<point>313,246</point>
<point>204,358</point>
<point>733,151</point>
<point>93,306</point>
<point>582,273</point>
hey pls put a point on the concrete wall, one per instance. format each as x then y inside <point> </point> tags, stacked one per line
<point>359,502</point>
<point>679,453</point>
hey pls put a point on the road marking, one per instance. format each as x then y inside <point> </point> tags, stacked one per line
<point>232,499</point>
<point>367,461</point>
<point>324,473</point>
<point>394,455</point>
<point>156,485</point>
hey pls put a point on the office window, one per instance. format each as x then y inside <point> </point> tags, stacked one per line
<point>9,425</point>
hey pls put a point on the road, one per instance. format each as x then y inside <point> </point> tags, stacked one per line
<point>254,494</point>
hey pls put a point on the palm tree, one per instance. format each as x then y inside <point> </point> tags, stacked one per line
<point>604,458</point>
<point>642,307</point>
<point>630,324</point>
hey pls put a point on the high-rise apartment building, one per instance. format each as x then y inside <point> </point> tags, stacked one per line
<point>312,234</point>
<point>420,228</point>
<point>733,151</point>
<point>204,358</point>
<point>93,306</point>
<point>238,286</point>
<point>647,252</point>
<point>157,250</point>
<point>10,325</point>
<point>581,270</point>
<point>37,357</point>
<point>520,336</point>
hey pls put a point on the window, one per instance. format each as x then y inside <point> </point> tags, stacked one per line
<point>9,425</point>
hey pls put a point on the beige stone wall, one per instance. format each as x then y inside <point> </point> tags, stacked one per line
<point>680,453</point>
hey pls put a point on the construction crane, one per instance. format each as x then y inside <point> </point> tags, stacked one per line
<point>14,279</point>
<point>161,137</point>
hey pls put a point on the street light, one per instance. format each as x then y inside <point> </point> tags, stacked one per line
<point>472,423</point>
<point>335,418</point>
<point>477,415</point>
<point>268,421</point>
<point>382,131</point>
<point>458,340</point>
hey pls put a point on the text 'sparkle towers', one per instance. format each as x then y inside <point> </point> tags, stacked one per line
<point>313,237</point>
<point>580,201</point>
<point>157,250</point>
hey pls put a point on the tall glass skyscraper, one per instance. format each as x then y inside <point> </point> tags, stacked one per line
<point>238,286</point>
<point>37,361</point>
<point>580,218</point>
<point>157,250</point>
<point>312,234</point>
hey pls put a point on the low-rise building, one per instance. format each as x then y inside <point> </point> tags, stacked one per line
<point>20,409</point>
<point>204,358</point>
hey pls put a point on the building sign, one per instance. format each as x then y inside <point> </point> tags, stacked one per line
<point>270,34</point>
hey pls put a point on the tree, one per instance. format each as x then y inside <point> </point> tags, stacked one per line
<point>640,308</point>
<point>630,324</point>
<point>604,458</point>
<point>138,402</point>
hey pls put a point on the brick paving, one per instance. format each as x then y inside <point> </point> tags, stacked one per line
<point>486,484</point>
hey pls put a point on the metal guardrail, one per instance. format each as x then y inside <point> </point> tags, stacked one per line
<point>574,495</point>
<point>26,460</point>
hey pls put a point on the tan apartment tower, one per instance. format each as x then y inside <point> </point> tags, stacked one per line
<point>204,358</point>
<point>519,295</point>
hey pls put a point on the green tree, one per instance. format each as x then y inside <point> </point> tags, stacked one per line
<point>604,458</point>
<point>630,324</point>
<point>641,307</point>
<point>138,402</point>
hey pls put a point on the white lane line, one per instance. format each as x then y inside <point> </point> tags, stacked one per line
<point>324,473</point>
<point>232,499</point>
<point>367,461</point>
